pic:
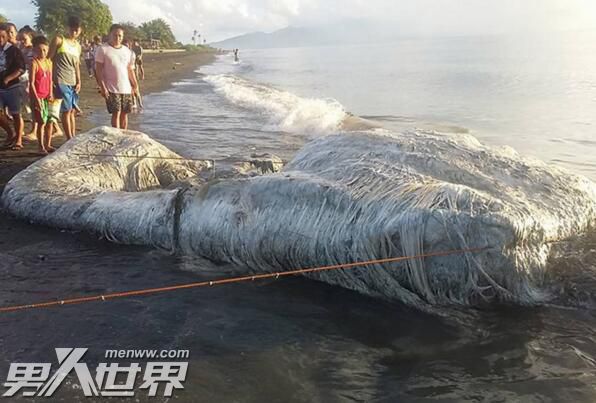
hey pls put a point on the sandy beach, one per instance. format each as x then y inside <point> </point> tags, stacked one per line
<point>161,71</point>
<point>479,320</point>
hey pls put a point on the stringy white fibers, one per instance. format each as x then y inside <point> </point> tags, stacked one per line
<point>119,198</point>
<point>343,198</point>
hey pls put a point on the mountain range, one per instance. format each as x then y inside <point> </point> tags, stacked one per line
<point>348,32</point>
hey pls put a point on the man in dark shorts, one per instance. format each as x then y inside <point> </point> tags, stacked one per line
<point>11,90</point>
<point>114,70</point>
<point>65,52</point>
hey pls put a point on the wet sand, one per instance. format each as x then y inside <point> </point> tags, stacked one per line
<point>161,71</point>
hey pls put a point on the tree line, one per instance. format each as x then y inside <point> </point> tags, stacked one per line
<point>97,19</point>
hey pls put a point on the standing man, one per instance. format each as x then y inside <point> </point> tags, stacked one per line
<point>65,51</point>
<point>138,51</point>
<point>13,41</point>
<point>11,91</point>
<point>114,70</point>
<point>96,44</point>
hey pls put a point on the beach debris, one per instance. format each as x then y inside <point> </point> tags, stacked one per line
<point>259,164</point>
<point>348,197</point>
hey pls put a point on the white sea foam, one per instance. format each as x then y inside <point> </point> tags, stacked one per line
<point>343,198</point>
<point>283,110</point>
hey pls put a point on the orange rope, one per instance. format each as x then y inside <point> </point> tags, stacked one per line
<point>276,275</point>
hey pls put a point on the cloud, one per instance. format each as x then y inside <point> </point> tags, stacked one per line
<point>223,18</point>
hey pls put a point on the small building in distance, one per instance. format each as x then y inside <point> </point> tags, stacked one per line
<point>151,44</point>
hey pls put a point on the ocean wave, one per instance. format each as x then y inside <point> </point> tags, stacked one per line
<point>343,198</point>
<point>282,109</point>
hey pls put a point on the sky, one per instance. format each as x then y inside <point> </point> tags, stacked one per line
<point>220,19</point>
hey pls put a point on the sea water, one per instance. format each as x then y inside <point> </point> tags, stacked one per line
<point>299,340</point>
<point>535,94</point>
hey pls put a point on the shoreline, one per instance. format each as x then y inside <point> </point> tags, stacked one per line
<point>162,70</point>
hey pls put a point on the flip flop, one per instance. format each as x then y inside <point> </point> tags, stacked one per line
<point>16,147</point>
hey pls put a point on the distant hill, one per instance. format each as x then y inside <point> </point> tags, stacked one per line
<point>350,32</point>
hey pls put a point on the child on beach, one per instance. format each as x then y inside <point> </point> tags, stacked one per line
<point>25,38</point>
<point>40,88</point>
<point>89,58</point>
<point>65,52</point>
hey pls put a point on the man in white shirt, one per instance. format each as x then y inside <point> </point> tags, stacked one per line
<point>114,71</point>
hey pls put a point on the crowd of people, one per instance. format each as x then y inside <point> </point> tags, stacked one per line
<point>42,77</point>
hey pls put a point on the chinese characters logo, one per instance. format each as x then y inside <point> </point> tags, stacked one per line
<point>111,379</point>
